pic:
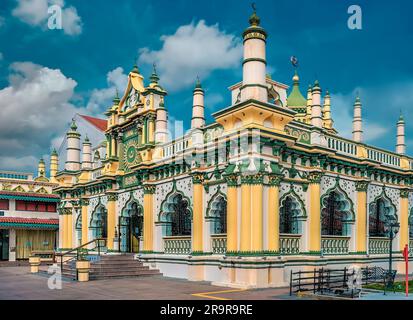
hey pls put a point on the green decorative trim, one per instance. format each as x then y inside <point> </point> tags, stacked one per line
<point>274,180</point>
<point>362,186</point>
<point>232,180</point>
<point>253,179</point>
<point>252,253</point>
<point>200,253</point>
<point>22,197</point>
<point>84,202</point>
<point>28,225</point>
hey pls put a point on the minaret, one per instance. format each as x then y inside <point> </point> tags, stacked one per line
<point>41,168</point>
<point>327,121</point>
<point>316,116</point>
<point>161,123</point>
<point>198,108</point>
<point>309,103</point>
<point>54,164</point>
<point>86,154</point>
<point>254,65</point>
<point>73,148</point>
<point>401,144</point>
<point>357,122</point>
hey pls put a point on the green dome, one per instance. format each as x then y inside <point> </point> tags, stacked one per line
<point>296,99</point>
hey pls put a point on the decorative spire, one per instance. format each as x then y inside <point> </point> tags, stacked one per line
<point>135,69</point>
<point>87,139</point>
<point>357,121</point>
<point>154,77</point>
<point>73,125</point>
<point>254,19</point>
<point>401,136</point>
<point>116,99</point>
<point>198,84</point>
<point>54,152</point>
<point>401,118</point>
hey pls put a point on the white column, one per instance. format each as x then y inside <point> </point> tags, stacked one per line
<point>357,122</point>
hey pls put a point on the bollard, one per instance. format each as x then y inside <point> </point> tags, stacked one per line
<point>34,264</point>
<point>82,267</point>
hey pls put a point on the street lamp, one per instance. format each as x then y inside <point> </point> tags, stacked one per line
<point>391,227</point>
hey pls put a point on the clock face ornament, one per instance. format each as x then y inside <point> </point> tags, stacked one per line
<point>130,155</point>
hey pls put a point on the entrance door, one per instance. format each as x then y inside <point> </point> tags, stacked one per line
<point>130,232</point>
<point>4,244</point>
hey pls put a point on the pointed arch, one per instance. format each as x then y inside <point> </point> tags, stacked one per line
<point>381,210</point>
<point>217,211</point>
<point>292,212</point>
<point>337,212</point>
<point>98,221</point>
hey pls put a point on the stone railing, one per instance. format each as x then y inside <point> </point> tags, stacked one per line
<point>172,148</point>
<point>219,243</point>
<point>383,157</point>
<point>379,245</point>
<point>342,146</point>
<point>177,245</point>
<point>290,243</point>
<point>96,173</point>
<point>334,245</point>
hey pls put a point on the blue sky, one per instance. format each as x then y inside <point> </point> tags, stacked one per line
<point>47,75</point>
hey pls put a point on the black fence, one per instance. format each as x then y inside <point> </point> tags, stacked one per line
<point>335,281</point>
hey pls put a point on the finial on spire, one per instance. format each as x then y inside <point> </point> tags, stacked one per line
<point>135,66</point>
<point>154,77</point>
<point>116,99</point>
<point>401,118</point>
<point>87,139</point>
<point>73,125</point>
<point>254,19</point>
<point>198,83</point>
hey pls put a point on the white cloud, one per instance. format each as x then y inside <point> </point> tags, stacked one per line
<point>100,99</point>
<point>35,13</point>
<point>34,108</point>
<point>194,50</point>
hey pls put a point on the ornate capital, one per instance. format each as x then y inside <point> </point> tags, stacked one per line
<point>232,180</point>
<point>274,180</point>
<point>149,189</point>
<point>252,179</point>
<point>65,211</point>
<point>314,177</point>
<point>151,117</point>
<point>404,193</point>
<point>198,178</point>
<point>84,202</point>
<point>361,186</point>
<point>112,197</point>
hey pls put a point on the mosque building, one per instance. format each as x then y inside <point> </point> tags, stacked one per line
<point>270,186</point>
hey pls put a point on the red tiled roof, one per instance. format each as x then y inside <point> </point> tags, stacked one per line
<point>29,220</point>
<point>98,123</point>
<point>29,194</point>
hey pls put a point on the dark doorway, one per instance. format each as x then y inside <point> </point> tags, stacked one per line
<point>4,244</point>
<point>131,230</point>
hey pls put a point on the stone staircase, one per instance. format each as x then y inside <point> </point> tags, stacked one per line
<point>111,266</point>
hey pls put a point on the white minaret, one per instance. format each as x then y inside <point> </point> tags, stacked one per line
<point>86,154</point>
<point>309,103</point>
<point>316,115</point>
<point>401,143</point>
<point>254,65</point>
<point>198,108</point>
<point>357,122</point>
<point>161,124</point>
<point>73,148</point>
<point>327,120</point>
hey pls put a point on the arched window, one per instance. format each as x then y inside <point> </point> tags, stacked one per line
<point>99,222</point>
<point>332,216</point>
<point>288,217</point>
<point>411,225</point>
<point>377,218</point>
<point>218,212</point>
<point>180,217</point>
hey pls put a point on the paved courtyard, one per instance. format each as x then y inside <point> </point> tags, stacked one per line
<point>18,283</point>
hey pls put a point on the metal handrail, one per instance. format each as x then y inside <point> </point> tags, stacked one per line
<point>61,255</point>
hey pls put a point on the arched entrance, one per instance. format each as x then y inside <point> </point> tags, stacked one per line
<point>131,228</point>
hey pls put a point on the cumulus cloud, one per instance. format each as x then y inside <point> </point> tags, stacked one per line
<point>34,108</point>
<point>100,99</point>
<point>193,50</point>
<point>35,13</point>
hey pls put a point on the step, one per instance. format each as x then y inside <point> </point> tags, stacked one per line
<point>119,262</point>
<point>124,274</point>
<point>106,267</point>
